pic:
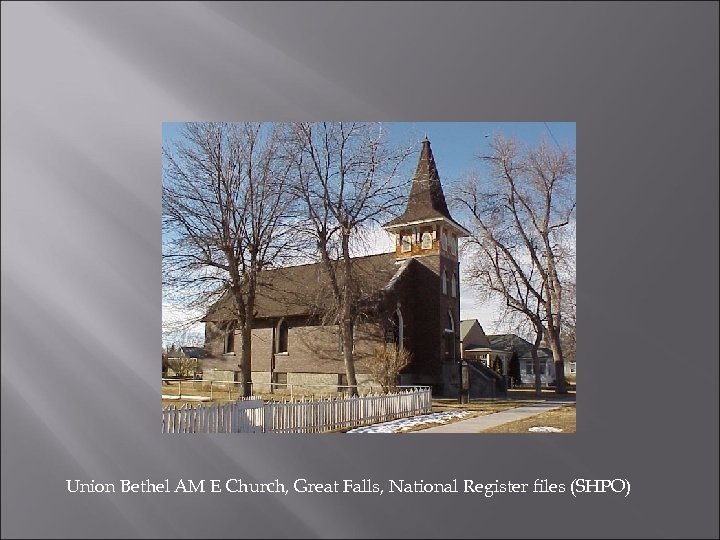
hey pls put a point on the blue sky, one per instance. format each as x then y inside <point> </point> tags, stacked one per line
<point>455,145</point>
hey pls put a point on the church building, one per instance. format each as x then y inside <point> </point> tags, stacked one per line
<point>410,299</point>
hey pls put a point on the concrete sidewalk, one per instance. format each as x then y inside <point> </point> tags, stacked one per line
<point>480,423</point>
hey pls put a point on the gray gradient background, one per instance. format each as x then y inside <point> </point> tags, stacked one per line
<point>84,91</point>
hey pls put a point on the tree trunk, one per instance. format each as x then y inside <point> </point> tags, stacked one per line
<point>554,289</point>
<point>537,323</point>
<point>536,364</point>
<point>247,321</point>
<point>245,360</point>
<point>554,341</point>
<point>347,314</point>
<point>348,356</point>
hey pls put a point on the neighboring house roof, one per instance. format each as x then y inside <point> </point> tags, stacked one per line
<point>514,343</point>
<point>465,327</point>
<point>306,290</point>
<point>473,336</point>
<point>194,352</point>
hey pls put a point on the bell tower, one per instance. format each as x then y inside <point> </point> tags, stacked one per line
<point>427,233</point>
<point>426,227</point>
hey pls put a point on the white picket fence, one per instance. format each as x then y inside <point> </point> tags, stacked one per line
<point>253,415</point>
<point>242,416</point>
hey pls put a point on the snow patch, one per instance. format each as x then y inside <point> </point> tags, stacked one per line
<point>398,426</point>
<point>544,429</point>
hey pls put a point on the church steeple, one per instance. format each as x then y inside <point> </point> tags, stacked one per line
<point>426,200</point>
<point>426,227</point>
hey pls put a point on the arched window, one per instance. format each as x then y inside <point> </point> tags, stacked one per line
<point>453,289</point>
<point>282,337</point>
<point>444,282</point>
<point>444,241</point>
<point>450,347</point>
<point>453,245</point>
<point>406,243</point>
<point>398,323</point>
<point>427,240</point>
<point>395,333</point>
<point>230,342</point>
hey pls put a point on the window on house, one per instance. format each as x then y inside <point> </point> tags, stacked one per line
<point>572,367</point>
<point>427,240</point>
<point>230,342</point>
<point>444,241</point>
<point>444,282</point>
<point>453,290</point>
<point>406,244</point>
<point>282,337</point>
<point>529,368</point>
<point>453,245</point>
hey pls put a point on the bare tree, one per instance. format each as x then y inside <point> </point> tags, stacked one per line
<point>495,272</point>
<point>347,177</point>
<point>386,364</point>
<point>567,267</point>
<point>519,215</point>
<point>226,214</point>
<point>568,336</point>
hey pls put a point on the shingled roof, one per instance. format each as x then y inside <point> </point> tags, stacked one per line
<point>481,339</point>
<point>305,290</point>
<point>514,343</point>
<point>426,199</point>
<point>465,327</point>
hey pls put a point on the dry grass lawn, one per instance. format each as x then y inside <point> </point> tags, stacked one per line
<point>562,418</point>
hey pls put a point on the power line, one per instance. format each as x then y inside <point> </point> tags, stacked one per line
<point>551,134</point>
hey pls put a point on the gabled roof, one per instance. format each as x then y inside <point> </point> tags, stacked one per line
<point>305,289</point>
<point>473,340</point>
<point>426,200</point>
<point>194,352</point>
<point>465,327</point>
<point>514,343</point>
